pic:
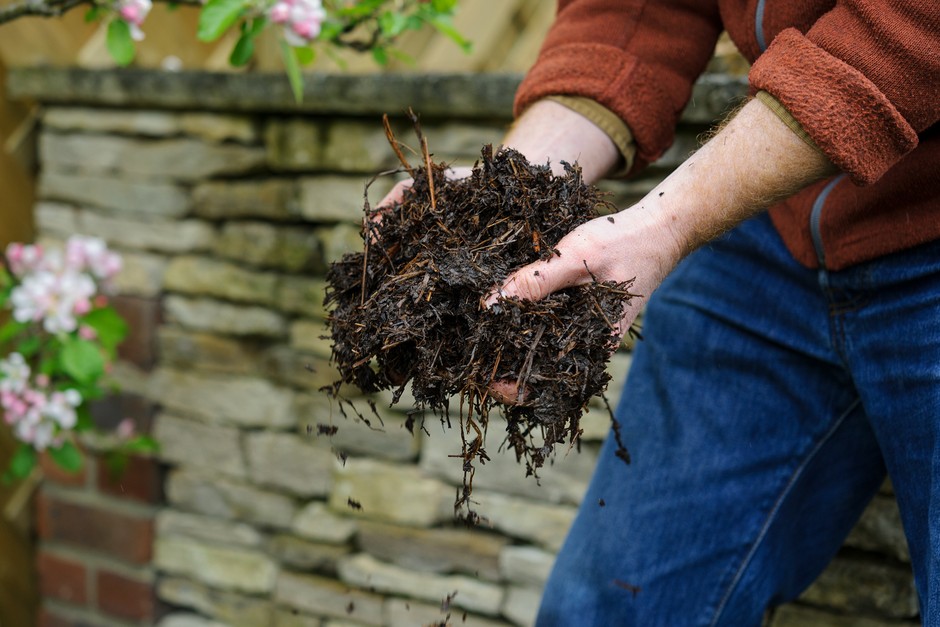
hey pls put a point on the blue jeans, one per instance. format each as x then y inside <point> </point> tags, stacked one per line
<point>762,411</point>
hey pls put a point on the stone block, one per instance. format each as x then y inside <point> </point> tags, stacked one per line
<point>294,249</point>
<point>285,462</point>
<point>365,571</point>
<point>461,141</point>
<point>407,613</point>
<point>183,350</point>
<point>389,492</point>
<point>562,480</point>
<point>166,236</point>
<point>543,524</point>
<point>311,336</point>
<point>339,240</point>
<point>141,274</point>
<point>357,146</point>
<point>327,597</point>
<point>292,618</point>
<point>294,144</point>
<point>218,127</point>
<point>206,446</point>
<point>384,437</point>
<point>146,123</point>
<point>333,198</point>
<point>243,401</point>
<point>56,217</point>
<point>223,605</point>
<point>799,616</point>
<point>268,199</point>
<point>472,552</point>
<point>130,198</point>
<point>302,295</point>
<point>521,605</point>
<point>525,565</point>
<point>182,619</point>
<point>297,369</point>
<point>181,159</point>
<point>879,530</point>
<point>316,522</point>
<point>171,522</point>
<point>204,276</point>
<point>229,568</point>
<point>224,498</point>
<point>203,314</point>
<point>863,587</point>
<point>305,555</point>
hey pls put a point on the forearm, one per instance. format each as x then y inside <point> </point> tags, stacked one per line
<point>752,163</point>
<point>551,132</point>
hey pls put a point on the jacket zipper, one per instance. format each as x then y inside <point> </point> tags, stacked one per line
<point>759,26</point>
<point>815,220</point>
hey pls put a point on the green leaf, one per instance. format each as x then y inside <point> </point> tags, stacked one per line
<point>293,71</point>
<point>257,26</point>
<point>22,463</point>
<point>243,50</point>
<point>120,43</point>
<point>11,329</point>
<point>92,14</point>
<point>443,6</point>
<point>443,26</point>
<point>67,456</point>
<point>217,16</point>
<point>108,324</point>
<point>330,30</point>
<point>392,24</point>
<point>380,55</point>
<point>141,444</point>
<point>305,56</point>
<point>81,360</point>
<point>29,346</point>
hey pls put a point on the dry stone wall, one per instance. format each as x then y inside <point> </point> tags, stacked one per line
<point>227,219</point>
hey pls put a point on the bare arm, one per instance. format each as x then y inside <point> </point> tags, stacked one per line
<point>752,162</point>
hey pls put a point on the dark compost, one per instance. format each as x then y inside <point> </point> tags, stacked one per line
<point>408,308</point>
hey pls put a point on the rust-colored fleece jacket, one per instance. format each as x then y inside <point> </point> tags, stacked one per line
<point>861,76</point>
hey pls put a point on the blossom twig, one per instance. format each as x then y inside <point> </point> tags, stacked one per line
<point>57,8</point>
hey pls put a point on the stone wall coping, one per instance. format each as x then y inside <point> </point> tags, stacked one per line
<point>463,95</point>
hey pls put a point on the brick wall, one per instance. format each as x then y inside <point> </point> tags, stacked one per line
<point>227,220</point>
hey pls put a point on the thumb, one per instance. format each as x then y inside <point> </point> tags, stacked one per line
<point>537,280</point>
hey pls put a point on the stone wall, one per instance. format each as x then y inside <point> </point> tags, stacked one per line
<point>228,204</point>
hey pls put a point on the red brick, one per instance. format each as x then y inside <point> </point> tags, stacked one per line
<point>110,411</point>
<point>143,317</point>
<point>126,598</point>
<point>141,479</point>
<point>62,579</point>
<point>123,536</point>
<point>52,472</point>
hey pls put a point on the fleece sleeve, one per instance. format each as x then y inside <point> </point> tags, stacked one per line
<point>637,58</point>
<point>863,82</point>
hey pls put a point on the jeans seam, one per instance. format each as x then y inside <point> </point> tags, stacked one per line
<point>771,516</point>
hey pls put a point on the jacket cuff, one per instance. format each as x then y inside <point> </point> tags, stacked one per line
<point>608,121</point>
<point>781,112</point>
<point>844,113</point>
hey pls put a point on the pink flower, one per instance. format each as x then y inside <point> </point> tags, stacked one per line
<point>126,429</point>
<point>87,333</point>
<point>302,20</point>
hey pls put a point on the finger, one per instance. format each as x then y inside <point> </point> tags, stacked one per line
<point>395,196</point>
<point>537,280</point>
<point>506,391</point>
